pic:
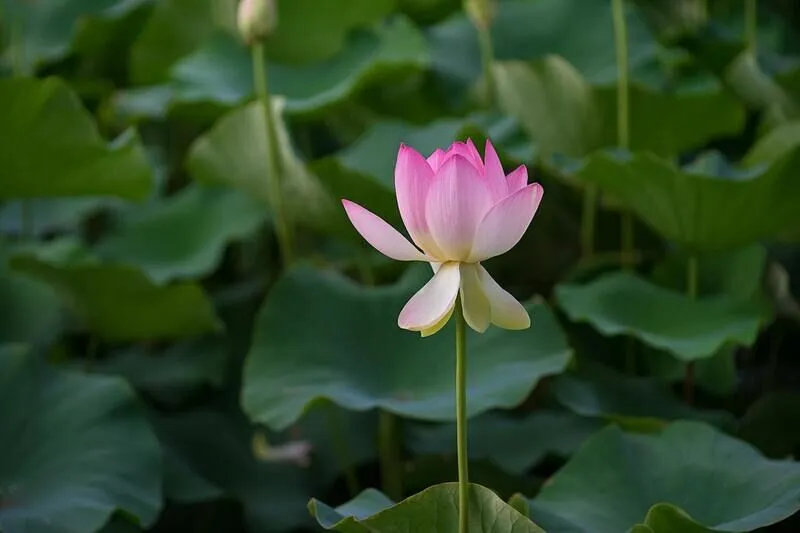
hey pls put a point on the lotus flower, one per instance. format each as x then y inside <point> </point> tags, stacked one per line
<point>459,211</point>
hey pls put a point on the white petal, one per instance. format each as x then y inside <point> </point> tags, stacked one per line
<point>433,301</point>
<point>381,235</point>
<point>505,223</point>
<point>477,310</point>
<point>439,325</point>
<point>507,312</point>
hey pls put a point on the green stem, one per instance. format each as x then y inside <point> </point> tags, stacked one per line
<point>274,167</point>
<point>342,450</point>
<point>18,71</point>
<point>391,473</point>
<point>623,115</point>
<point>751,24</point>
<point>487,60</point>
<point>691,292</point>
<point>588,218</point>
<point>461,418</point>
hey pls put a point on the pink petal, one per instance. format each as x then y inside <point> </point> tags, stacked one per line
<point>412,179</point>
<point>505,223</point>
<point>517,179</point>
<point>456,203</point>
<point>507,312</point>
<point>477,310</point>
<point>381,235</point>
<point>436,159</point>
<point>433,301</point>
<point>495,176</point>
<point>468,151</point>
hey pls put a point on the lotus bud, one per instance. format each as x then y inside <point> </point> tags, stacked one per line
<point>256,20</point>
<point>481,12</point>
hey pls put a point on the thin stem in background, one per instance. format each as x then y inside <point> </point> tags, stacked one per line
<point>389,446</point>
<point>751,24</point>
<point>461,418</point>
<point>691,292</point>
<point>274,166</point>
<point>342,449</point>
<point>623,116</point>
<point>487,58</point>
<point>27,222</point>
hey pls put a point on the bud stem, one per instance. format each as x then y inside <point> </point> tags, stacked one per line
<point>274,163</point>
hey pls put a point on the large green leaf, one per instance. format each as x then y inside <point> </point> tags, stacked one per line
<point>360,359</point>
<point>183,236</point>
<point>623,303</point>
<point>57,150</point>
<point>233,152</point>
<point>581,31</point>
<point>639,403</point>
<point>221,71</point>
<point>564,114</point>
<point>434,509</point>
<point>705,207</point>
<point>44,31</point>
<point>719,481</point>
<point>118,302</point>
<point>514,444</point>
<point>75,449</point>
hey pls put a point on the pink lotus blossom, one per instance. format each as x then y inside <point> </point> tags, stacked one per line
<point>459,211</point>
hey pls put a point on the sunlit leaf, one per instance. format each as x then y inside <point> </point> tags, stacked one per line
<point>58,150</point>
<point>436,507</point>
<point>353,357</point>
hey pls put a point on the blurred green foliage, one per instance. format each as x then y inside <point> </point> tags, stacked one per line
<point>163,369</point>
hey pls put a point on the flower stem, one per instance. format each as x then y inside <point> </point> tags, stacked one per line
<point>691,292</point>
<point>342,450</point>
<point>274,166</point>
<point>623,116</point>
<point>487,59</point>
<point>391,474</point>
<point>751,24</point>
<point>461,418</point>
